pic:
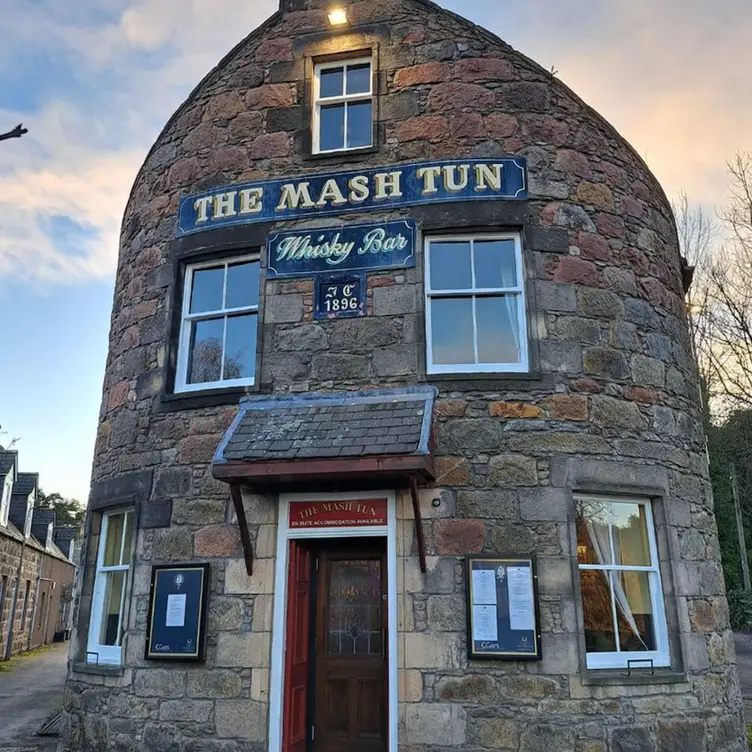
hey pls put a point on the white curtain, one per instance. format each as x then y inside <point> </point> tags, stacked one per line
<point>509,279</point>
<point>599,537</point>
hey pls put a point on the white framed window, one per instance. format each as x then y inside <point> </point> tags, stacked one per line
<point>106,626</point>
<point>620,583</point>
<point>476,319</point>
<point>219,328</point>
<point>5,493</point>
<point>343,105</point>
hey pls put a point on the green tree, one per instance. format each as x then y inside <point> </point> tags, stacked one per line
<point>68,512</point>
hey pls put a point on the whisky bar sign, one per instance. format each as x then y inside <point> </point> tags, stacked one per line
<point>389,245</point>
<point>327,514</point>
<point>365,190</point>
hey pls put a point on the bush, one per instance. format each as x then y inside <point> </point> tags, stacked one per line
<point>740,610</point>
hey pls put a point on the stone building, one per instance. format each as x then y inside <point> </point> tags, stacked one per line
<point>36,574</point>
<point>390,295</point>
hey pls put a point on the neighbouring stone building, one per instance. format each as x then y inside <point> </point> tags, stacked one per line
<point>36,565</point>
<point>390,296</point>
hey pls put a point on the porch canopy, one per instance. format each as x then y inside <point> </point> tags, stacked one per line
<point>374,438</point>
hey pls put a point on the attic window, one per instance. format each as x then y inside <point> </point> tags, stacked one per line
<point>343,105</point>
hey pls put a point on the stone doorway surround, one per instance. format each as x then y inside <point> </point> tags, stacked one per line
<point>284,535</point>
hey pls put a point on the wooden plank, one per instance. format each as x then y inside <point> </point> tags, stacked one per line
<point>284,470</point>
<point>245,538</point>
<point>418,524</point>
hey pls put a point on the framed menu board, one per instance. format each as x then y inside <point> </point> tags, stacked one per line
<point>503,620</point>
<point>176,625</point>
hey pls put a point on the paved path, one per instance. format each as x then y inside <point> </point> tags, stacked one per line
<point>29,693</point>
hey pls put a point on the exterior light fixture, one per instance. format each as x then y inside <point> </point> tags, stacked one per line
<point>337,17</point>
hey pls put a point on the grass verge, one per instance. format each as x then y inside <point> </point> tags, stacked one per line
<point>16,660</point>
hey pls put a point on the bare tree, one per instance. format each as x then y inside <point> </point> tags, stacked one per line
<point>697,234</point>
<point>721,303</point>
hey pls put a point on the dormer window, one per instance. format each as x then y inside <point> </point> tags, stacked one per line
<point>343,106</point>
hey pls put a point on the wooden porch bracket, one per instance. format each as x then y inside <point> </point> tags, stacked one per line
<point>245,537</point>
<point>418,523</point>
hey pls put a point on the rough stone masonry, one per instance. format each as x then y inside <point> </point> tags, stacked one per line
<point>610,406</point>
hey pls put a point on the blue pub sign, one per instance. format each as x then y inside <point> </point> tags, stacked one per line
<point>304,252</point>
<point>340,297</point>
<point>376,189</point>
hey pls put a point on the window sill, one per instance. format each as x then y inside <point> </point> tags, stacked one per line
<point>485,376</point>
<point>204,398</point>
<point>98,669</point>
<point>338,157</point>
<point>618,676</point>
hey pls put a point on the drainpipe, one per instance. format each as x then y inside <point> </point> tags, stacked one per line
<point>14,603</point>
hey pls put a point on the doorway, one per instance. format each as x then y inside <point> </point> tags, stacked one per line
<point>338,649</point>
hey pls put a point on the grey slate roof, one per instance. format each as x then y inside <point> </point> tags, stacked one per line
<point>40,522</point>
<point>24,485</point>
<point>8,460</point>
<point>327,425</point>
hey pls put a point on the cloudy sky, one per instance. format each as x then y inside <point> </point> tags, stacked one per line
<point>94,80</point>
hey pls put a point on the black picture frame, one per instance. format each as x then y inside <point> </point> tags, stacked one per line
<point>186,643</point>
<point>510,645</point>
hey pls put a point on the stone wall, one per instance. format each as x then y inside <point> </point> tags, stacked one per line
<point>10,552</point>
<point>612,407</point>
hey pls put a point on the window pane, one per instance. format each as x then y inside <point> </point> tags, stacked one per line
<point>359,125</point>
<point>205,358</point>
<point>332,127</point>
<point>354,620</point>
<point>631,546</point>
<point>242,285</point>
<point>450,266</point>
<point>114,540</point>
<point>593,543</point>
<point>110,631</point>
<point>498,324</point>
<point>128,542</point>
<point>597,612</point>
<point>207,290</point>
<point>452,331</point>
<point>240,349</point>
<point>635,611</point>
<point>359,79</point>
<point>495,263</point>
<point>332,82</point>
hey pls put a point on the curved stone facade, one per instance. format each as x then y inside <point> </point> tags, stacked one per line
<point>610,406</point>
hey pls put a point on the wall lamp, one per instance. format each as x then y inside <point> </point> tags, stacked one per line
<point>338,17</point>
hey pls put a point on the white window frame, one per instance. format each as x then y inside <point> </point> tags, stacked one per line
<point>474,292</point>
<point>345,99</point>
<point>109,654</point>
<point>5,499</point>
<point>279,628</point>
<point>661,656</point>
<point>29,516</point>
<point>188,319</point>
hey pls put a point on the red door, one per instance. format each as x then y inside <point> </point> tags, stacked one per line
<point>297,653</point>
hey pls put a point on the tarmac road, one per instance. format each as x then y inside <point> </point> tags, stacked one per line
<point>29,694</point>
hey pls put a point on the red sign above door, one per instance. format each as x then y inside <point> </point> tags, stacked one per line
<point>355,513</point>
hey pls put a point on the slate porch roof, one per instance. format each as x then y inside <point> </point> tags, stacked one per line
<point>365,425</point>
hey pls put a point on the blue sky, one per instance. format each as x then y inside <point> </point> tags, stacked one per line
<point>95,80</point>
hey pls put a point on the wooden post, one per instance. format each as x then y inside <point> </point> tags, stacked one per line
<point>740,529</point>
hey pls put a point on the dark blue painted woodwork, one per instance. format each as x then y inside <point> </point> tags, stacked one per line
<point>302,253</point>
<point>328,194</point>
